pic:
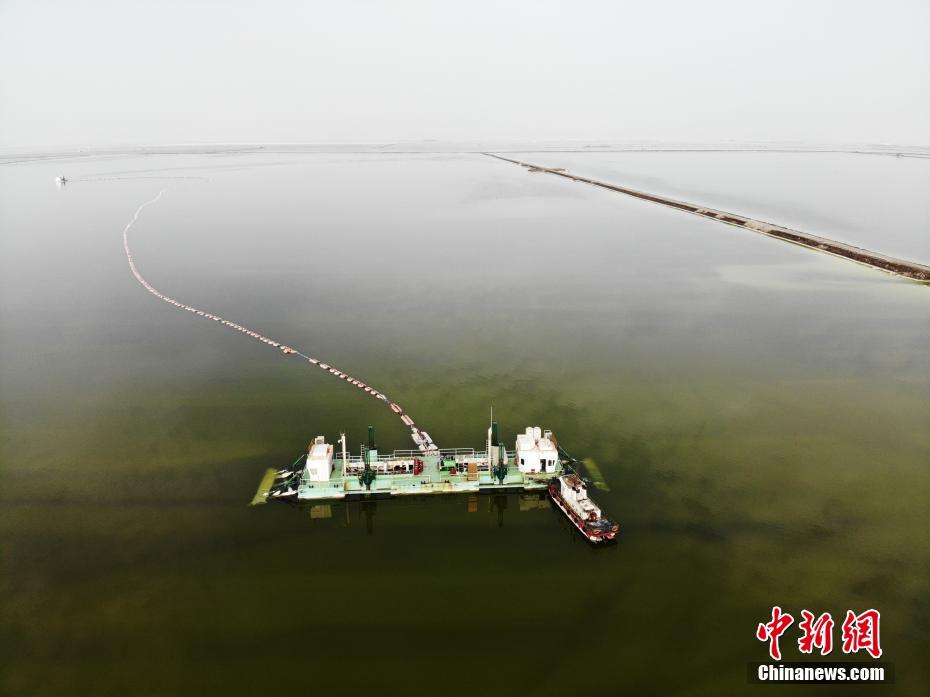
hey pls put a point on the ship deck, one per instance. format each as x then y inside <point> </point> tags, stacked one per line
<point>431,481</point>
<point>449,471</point>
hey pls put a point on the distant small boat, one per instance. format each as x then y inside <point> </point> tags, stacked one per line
<point>61,180</point>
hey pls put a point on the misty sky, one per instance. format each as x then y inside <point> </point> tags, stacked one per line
<point>115,73</point>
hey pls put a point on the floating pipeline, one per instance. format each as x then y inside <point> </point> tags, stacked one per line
<point>421,438</point>
<point>900,267</point>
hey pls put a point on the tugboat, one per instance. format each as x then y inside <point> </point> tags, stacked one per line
<point>570,494</point>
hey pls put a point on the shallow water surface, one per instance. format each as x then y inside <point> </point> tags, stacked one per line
<point>759,412</point>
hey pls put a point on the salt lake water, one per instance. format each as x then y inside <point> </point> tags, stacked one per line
<point>760,413</point>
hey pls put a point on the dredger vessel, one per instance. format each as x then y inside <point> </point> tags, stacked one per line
<point>328,472</point>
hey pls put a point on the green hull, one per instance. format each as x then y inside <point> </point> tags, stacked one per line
<point>437,477</point>
<point>431,481</point>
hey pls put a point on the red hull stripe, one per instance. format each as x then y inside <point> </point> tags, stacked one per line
<point>577,521</point>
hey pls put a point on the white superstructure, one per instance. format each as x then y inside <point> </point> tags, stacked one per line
<point>536,451</point>
<point>575,494</point>
<point>319,465</point>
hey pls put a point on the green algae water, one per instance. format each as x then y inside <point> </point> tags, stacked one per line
<point>759,415</point>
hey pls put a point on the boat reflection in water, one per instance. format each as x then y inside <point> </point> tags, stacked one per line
<point>352,514</point>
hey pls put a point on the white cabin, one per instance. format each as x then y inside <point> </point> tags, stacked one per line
<point>319,467</point>
<point>575,494</point>
<point>536,452</point>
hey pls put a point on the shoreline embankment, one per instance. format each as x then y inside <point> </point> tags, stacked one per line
<point>900,267</point>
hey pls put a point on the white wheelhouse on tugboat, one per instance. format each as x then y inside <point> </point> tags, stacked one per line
<point>570,494</point>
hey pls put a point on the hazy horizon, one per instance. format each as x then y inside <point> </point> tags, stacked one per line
<point>111,74</point>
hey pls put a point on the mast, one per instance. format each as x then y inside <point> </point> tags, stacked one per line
<point>368,475</point>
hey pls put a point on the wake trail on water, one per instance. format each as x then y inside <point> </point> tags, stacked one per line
<point>421,438</point>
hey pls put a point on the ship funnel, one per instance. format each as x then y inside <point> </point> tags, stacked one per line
<point>371,438</point>
<point>494,441</point>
